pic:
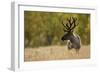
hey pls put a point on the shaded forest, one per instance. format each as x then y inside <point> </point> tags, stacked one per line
<point>45,28</point>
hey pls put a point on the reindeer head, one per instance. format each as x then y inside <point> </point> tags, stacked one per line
<point>69,27</point>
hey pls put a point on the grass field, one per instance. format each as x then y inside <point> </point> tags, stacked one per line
<point>55,53</point>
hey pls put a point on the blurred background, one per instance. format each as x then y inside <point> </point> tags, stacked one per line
<point>45,28</point>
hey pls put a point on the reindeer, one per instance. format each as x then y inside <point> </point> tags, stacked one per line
<point>73,40</point>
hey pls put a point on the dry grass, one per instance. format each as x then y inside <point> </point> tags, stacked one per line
<point>55,53</point>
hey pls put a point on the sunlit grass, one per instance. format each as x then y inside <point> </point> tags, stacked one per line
<point>55,53</point>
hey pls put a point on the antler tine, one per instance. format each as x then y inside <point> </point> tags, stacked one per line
<point>74,22</point>
<point>70,22</point>
<point>66,26</point>
<point>65,30</point>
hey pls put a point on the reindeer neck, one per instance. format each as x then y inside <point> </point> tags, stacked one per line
<point>72,36</point>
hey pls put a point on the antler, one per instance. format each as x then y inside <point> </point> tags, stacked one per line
<point>70,25</point>
<point>66,27</point>
<point>74,23</point>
